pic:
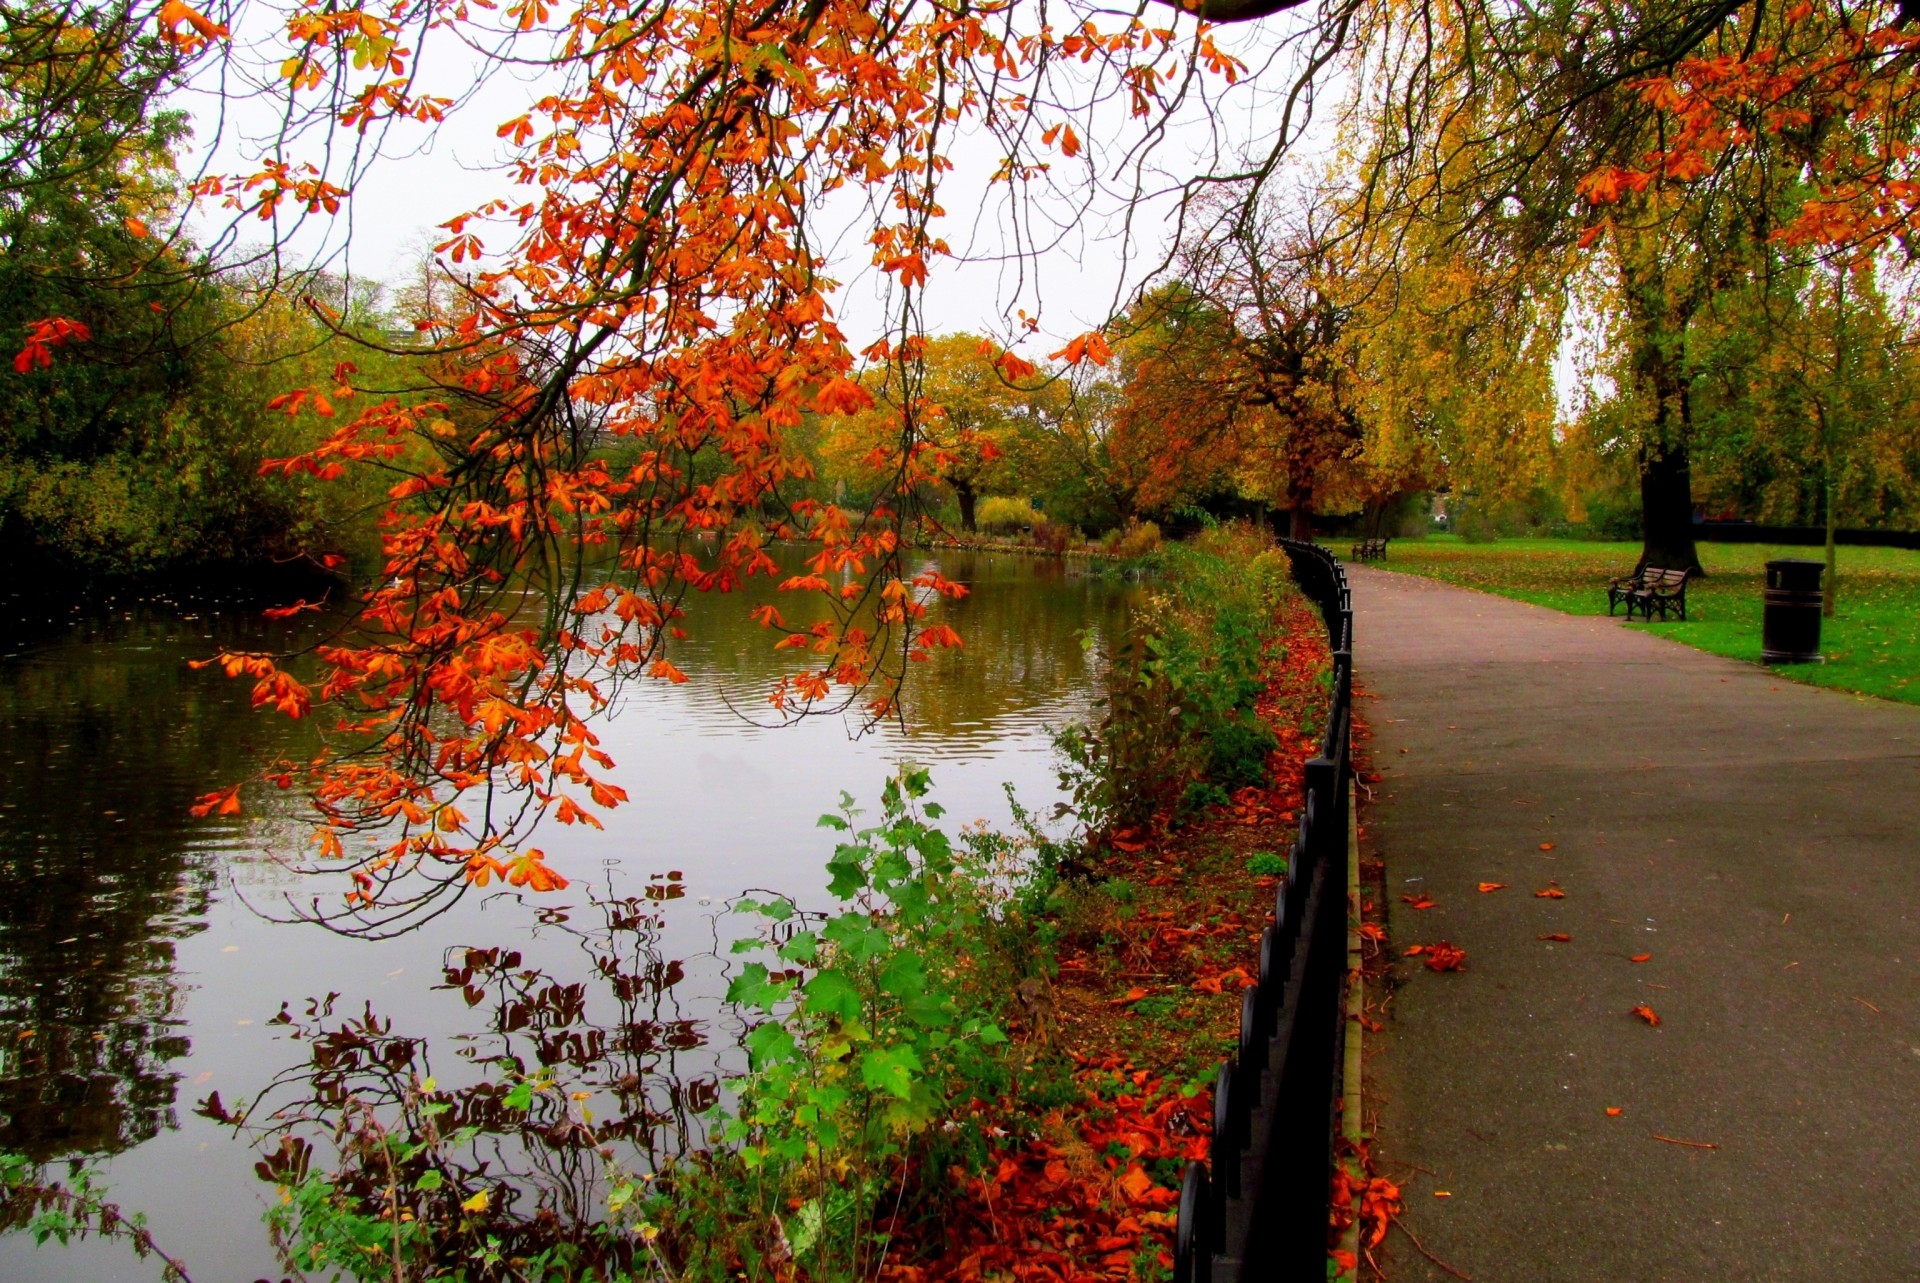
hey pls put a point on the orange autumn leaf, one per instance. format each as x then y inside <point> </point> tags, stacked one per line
<point>1546,846</point>
<point>1132,996</point>
<point>1419,901</point>
<point>1492,886</point>
<point>1440,956</point>
<point>1647,1014</point>
<point>1560,936</point>
<point>1217,984</point>
<point>1641,957</point>
<point>1614,1111</point>
<point>1551,893</point>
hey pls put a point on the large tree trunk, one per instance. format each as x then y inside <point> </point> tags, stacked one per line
<point>965,493</point>
<point>1666,472</point>
<point>1666,509</point>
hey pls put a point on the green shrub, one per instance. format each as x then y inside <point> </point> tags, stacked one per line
<point>1265,864</point>
<point>1179,730</point>
<point>1000,515</point>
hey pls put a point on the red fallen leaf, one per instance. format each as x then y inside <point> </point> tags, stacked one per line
<point>1133,996</point>
<point>1131,848</point>
<point>1492,886</point>
<point>1647,1014</point>
<point>1642,957</point>
<point>1218,984</point>
<point>1560,936</point>
<point>1546,846</point>
<point>1373,931</point>
<point>1440,956</point>
<point>1419,901</point>
<point>1613,1112</point>
<point>1551,893</point>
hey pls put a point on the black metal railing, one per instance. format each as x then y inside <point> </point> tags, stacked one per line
<point>1259,1208</point>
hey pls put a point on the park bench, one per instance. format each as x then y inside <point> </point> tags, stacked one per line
<point>1648,589</point>
<point>1373,548</point>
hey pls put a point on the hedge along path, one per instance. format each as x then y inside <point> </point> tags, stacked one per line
<point>1735,856</point>
<point>1156,945</point>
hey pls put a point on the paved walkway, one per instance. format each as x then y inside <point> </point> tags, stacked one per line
<point>1759,838</point>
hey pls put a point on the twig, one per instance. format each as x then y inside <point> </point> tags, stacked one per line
<point>1690,1144</point>
<point>1869,1006</point>
<point>1429,1255</point>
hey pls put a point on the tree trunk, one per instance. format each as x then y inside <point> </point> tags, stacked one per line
<point>964,492</point>
<point>1830,585</point>
<point>1666,509</point>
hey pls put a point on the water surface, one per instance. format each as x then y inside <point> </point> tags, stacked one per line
<point>140,958</point>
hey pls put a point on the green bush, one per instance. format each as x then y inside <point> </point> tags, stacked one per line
<point>999,515</point>
<point>1179,729</point>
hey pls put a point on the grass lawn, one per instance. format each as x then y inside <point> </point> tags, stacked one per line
<point>1872,644</point>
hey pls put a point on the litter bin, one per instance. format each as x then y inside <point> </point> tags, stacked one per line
<point>1790,624</point>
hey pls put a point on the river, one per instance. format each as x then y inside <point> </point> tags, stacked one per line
<point>143,953</point>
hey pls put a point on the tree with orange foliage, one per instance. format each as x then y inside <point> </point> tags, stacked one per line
<point>645,322</point>
<point>1271,270</point>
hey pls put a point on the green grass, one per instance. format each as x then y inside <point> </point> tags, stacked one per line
<point>1872,645</point>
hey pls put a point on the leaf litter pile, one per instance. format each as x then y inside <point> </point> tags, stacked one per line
<point>1156,944</point>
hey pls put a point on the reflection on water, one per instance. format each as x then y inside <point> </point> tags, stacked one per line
<point>135,978</point>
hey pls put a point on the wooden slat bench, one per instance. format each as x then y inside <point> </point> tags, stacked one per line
<point>1372,549</point>
<point>1648,589</point>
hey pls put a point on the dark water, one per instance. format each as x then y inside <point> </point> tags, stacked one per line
<point>140,964</point>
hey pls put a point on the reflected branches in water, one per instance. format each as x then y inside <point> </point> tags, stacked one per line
<point>516,1150</point>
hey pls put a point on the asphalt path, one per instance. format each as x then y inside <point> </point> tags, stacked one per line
<point>1760,839</point>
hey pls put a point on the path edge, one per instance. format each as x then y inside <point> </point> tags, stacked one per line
<point>1350,1106</point>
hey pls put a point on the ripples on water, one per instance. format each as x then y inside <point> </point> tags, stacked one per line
<point>138,972</point>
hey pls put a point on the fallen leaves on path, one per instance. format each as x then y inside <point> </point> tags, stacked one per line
<point>1641,957</point>
<point>1559,936</point>
<point>1492,886</point>
<point>1440,956</point>
<point>1647,1014</point>
<point>1546,846</point>
<point>1552,892</point>
<point>1614,1112</point>
<point>1419,901</point>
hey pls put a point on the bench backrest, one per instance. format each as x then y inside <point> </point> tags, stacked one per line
<point>1655,577</point>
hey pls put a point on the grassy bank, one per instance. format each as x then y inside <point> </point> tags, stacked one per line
<point>1872,645</point>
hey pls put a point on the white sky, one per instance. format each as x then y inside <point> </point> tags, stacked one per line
<point>429,176</point>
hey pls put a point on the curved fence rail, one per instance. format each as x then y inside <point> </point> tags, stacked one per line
<point>1259,1208</point>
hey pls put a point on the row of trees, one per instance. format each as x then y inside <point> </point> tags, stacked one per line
<point>641,381</point>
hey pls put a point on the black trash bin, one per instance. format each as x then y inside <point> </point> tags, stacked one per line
<point>1790,625</point>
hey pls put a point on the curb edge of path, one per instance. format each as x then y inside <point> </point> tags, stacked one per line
<point>1350,1106</point>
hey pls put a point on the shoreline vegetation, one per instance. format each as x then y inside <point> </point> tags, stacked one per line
<point>995,1051</point>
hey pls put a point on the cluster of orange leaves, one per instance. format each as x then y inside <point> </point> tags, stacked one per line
<point>1824,66</point>
<point>1440,956</point>
<point>1359,1193</point>
<point>45,335</point>
<point>1065,1205</point>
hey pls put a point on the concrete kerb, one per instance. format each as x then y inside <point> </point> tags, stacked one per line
<point>1350,1106</point>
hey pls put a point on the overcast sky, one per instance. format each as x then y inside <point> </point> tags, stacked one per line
<point>430,176</point>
